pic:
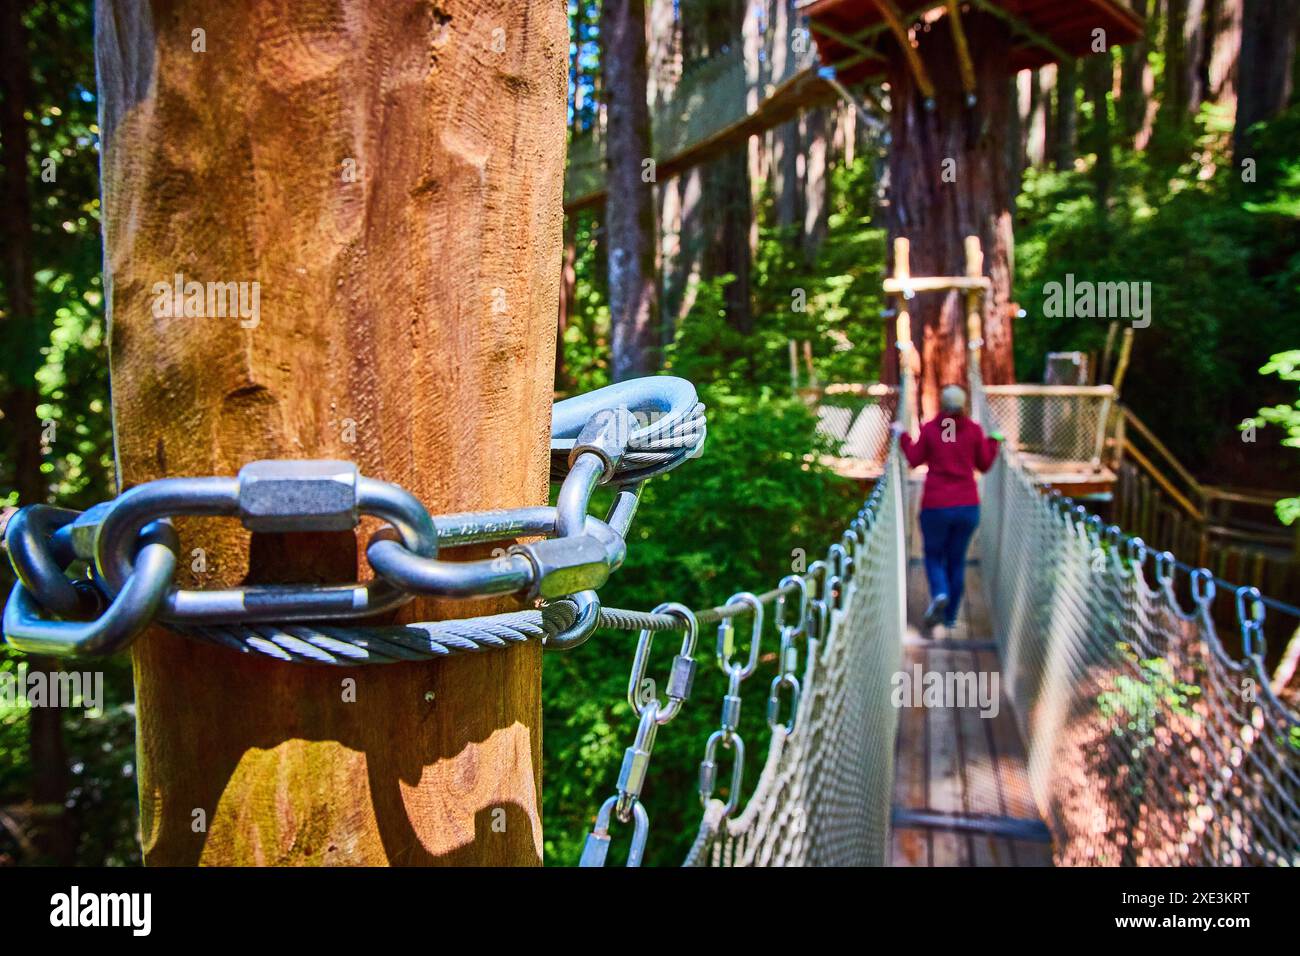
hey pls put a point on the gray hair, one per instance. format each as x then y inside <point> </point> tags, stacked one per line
<point>952,398</point>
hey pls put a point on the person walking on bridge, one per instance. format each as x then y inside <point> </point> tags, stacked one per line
<point>953,446</point>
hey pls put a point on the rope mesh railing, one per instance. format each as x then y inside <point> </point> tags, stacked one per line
<point>1148,744</point>
<point>824,795</point>
<point>1055,423</point>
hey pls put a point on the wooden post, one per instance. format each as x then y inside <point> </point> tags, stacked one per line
<point>907,357</point>
<point>383,180</point>
<point>974,296</point>
<point>1121,367</point>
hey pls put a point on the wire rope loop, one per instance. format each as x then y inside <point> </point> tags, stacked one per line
<point>682,676</point>
<point>1165,565</point>
<point>596,849</point>
<point>792,581</point>
<point>1203,588</point>
<point>583,626</point>
<point>732,741</point>
<point>130,611</point>
<point>1252,621</point>
<point>774,702</point>
<point>727,637</point>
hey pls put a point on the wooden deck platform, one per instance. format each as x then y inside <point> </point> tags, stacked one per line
<point>961,790</point>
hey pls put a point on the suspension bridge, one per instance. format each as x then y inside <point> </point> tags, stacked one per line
<point>1122,731</point>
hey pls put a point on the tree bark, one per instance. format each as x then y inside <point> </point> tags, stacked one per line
<point>726,213</point>
<point>1098,74</point>
<point>1133,95</point>
<point>1224,41</point>
<point>816,184</point>
<point>408,292</point>
<point>1264,66</point>
<point>1067,85</point>
<point>1172,118</point>
<point>25,333</point>
<point>568,293</point>
<point>629,202</point>
<point>937,215</point>
<point>1038,128</point>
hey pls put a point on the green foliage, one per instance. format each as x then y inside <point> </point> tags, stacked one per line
<point>738,519</point>
<point>835,301</point>
<point>586,339</point>
<point>1223,259</point>
<point>730,521</point>
<point>1135,705</point>
<point>1286,365</point>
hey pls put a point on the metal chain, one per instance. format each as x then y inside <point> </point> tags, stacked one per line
<point>618,436</point>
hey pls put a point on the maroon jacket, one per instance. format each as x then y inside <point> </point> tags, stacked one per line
<point>951,480</point>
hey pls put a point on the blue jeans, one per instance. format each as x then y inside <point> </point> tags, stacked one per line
<point>947,533</point>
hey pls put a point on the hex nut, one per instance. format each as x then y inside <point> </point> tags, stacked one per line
<point>564,566</point>
<point>288,495</point>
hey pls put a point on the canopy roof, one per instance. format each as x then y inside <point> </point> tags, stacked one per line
<point>1043,31</point>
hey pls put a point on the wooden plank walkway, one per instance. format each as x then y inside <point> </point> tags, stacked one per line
<point>961,789</point>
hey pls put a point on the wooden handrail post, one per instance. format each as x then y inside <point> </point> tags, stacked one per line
<point>907,355</point>
<point>974,298</point>
<point>381,182</point>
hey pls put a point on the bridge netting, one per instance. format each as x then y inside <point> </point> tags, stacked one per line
<point>1148,741</point>
<point>823,798</point>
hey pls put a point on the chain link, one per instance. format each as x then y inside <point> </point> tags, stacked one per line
<point>617,436</point>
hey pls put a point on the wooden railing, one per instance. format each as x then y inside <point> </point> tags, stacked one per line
<point>1231,531</point>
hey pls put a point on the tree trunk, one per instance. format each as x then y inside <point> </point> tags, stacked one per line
<point>408,292</point>
<point>1134,98</point>
<point>1018,95</point>
<point>816,181</point>
<point>725,213</point>
<point>1264,67</point>
<point>1067,85</point>
<point>937,215</point>
<point>568,294</point>
<point>1098,74</point>
<point>25,333</point>
<point>629,202</point>
<point>1195,37</point>
<point>1038,128</point>
<point>1224,28</point>
<point>1172,118</point>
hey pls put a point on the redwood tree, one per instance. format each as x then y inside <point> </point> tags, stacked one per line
<point>948,180</point>
<point>629,202</point>
<point>1264,68</point>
